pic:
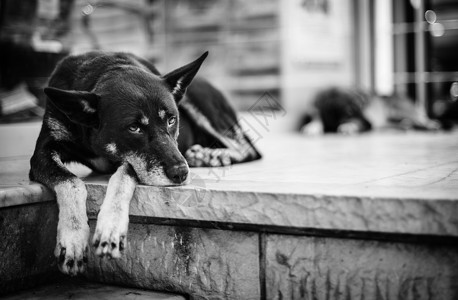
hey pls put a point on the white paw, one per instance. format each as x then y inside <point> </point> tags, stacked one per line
<point>197,156</point>
<point>72,248</point>
<point>313,128</point>
<point>110,237</point>
<point>349,128</point>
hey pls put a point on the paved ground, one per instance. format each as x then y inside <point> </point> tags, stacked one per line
<point>81,290</point>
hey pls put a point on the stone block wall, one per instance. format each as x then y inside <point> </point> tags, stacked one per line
<point>207,260</point>
<point>331,268</point>
<point>202,263</point>
<point>235,264</point>
<point>28,238</point>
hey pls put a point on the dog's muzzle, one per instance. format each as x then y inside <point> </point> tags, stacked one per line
<point>177,173</point>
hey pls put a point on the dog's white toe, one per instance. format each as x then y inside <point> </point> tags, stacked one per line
<point>349,128</point>
<point>313,128</point>
<point>110,237</point>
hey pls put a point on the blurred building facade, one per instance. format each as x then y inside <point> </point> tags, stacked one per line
<point>289,49</point>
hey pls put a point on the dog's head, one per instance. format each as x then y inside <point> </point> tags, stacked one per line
<point>133,116</point>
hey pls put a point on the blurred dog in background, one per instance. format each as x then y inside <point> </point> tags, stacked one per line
<point>352,111</point>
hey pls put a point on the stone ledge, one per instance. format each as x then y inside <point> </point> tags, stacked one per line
<point>388,184</point>
<point>364,213</point>
<point>352,213</point>
<point>25,194</point>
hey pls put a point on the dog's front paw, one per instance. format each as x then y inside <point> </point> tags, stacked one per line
<point>110,237</point>
<point>313,128</point>
<point>198,156</point>
<point>72,249</point>
<point>349,128</point>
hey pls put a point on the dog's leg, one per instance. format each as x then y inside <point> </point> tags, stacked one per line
<point>238,148</point>
<point>72,229</point>
<point>230,146</point>
<point>110,235</point>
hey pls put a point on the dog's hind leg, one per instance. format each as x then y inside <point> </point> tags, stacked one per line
<point>234,149</point>
<point>110,236</point>
<point>220,147</point>
<point>217,139</point>
<point>72,230</point>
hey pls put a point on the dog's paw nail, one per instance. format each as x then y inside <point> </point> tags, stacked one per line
<point>122,242</point>
<point>96,243</point>
<point>113,245</point>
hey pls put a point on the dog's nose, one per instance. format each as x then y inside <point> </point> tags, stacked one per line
<point>177,173</point>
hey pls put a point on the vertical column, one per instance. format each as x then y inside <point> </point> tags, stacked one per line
<point>420,58</point>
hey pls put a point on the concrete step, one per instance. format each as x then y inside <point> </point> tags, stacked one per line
<point>77,289</point>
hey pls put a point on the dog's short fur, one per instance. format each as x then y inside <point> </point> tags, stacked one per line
<point>351,111</point>
<point>115,113</point>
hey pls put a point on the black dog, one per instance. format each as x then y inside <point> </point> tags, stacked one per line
<point>351,111</point>
<point>114,112</point>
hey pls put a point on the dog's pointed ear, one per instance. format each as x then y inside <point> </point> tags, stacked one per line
<point>179,79</point>
<point>79,106</point>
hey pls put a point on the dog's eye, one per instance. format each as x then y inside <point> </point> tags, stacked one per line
<point>172,121</point>
<point>134,128</point>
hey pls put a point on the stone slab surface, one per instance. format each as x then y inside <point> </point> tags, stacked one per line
<point>18,139</point>
<point>380,182</point>
<point>201,263</point>
<point>397,183</point>
<point>82,290</point>
<point>327,268</point>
